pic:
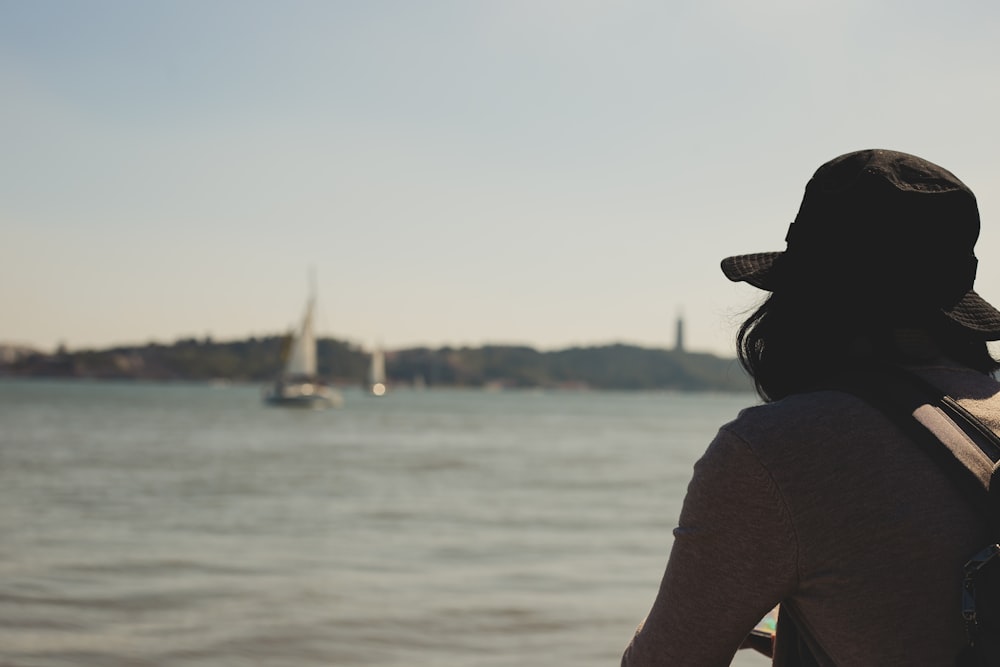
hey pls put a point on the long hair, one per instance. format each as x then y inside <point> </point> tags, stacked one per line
<point>795,340</point>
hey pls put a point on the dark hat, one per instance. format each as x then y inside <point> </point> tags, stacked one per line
<point>888,229</point>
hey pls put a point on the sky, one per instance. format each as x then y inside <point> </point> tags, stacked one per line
<point>550,173</point>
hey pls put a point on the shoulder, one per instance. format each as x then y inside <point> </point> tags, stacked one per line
<point>802,439</point>
<point>834,426</point>
<point>769,445</point>
<point>812,413</point>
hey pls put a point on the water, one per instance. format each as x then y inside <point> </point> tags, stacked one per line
<point>187,525</point>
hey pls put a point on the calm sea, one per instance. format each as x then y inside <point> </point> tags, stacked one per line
<point>178,525</point>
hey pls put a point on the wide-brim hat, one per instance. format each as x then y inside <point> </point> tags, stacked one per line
<point>885,228</point>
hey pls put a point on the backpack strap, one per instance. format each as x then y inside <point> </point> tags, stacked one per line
<point>941,427</point>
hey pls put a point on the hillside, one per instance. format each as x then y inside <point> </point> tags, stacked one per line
<point>259,360</point>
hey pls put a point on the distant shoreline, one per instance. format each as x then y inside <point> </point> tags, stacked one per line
<point>256,360</point>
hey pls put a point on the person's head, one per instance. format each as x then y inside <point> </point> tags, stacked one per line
<point>882,243</point>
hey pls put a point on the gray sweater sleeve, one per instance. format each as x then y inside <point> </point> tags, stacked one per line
<point>733,559</point>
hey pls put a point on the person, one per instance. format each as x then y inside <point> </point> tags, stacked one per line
<point>813,499</point>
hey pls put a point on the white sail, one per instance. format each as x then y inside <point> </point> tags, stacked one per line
<point>302,357</point>
<point>376,372</point>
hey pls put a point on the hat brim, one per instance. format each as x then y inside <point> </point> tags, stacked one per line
<point>971,312</point>
<point>754,269</point>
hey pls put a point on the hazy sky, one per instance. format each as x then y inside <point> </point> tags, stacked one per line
<point>543,172</point>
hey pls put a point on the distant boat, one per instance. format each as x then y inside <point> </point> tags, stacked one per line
<point>376,373</point>
<point>299,385</point>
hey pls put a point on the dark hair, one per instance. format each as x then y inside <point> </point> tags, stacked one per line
<point>796,339</point>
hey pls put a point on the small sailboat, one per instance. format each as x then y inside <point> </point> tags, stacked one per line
<point>299,385</point>
<point>376,373</point>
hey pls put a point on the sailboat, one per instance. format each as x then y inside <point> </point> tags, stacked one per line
<point>376,373</point>
<point>299,385</point>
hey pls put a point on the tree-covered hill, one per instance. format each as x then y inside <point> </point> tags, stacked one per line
<point>260,360</point>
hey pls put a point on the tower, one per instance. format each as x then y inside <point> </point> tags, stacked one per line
<point>679,344</point>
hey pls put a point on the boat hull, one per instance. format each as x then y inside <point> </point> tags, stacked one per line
<point>303,396</point>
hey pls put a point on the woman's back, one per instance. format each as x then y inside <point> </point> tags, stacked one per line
<point>819,502</point>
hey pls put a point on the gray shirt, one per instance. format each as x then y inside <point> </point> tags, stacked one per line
<point>818,502</point>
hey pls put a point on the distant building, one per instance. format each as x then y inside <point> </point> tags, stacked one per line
<point>679,346</point>
<point>10,353</point>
